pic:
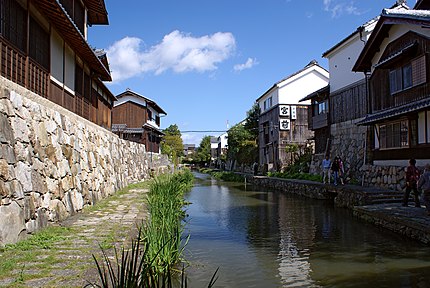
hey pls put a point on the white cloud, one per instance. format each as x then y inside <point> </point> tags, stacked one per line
<point>339,8</point>
<point>177,51</point>
<point>250,62</point>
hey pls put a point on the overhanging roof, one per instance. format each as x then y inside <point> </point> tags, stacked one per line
<point>395,112</point>
<point>151,102</point>
<point>389,17</point>
<point>56,15</point>
<point>405,51</point>
<point>97,13</point>
<point>152,128</point>
<point>325,89</point>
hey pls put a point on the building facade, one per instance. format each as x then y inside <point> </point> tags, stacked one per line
<point>137,118</point>
<point>399,87</point>
<point>44,48</point>
<point>337,109</point>
<point>283,121</point>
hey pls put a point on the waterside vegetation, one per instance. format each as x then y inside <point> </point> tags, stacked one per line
<point>154,258</point>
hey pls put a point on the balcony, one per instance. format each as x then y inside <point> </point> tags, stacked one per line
<point>14,66</point>
<point>319,121</point>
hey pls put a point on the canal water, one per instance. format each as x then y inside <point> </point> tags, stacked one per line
<point>265,239</point>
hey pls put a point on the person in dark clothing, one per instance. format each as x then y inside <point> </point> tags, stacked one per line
<point>412,176</point>
<point>335,170</point>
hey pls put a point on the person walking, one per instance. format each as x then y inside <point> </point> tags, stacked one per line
<point>335,170</point>
<point>412,176</point>
<point>326,165</point>
<point>424,183</point>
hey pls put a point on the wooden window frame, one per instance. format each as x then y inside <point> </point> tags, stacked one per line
<point>408,75</point>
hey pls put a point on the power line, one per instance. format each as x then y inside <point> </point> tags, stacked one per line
<point>203,131</point>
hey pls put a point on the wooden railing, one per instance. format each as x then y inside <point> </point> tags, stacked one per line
<point>14,66</point>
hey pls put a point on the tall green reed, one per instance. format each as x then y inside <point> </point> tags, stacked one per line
<point>164,230</point>
<point>154,256</point>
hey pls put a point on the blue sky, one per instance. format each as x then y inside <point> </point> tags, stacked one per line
<point>205,62</point>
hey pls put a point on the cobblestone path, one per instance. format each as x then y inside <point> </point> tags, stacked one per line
<point>68,262</point>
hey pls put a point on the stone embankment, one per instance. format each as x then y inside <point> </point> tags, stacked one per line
<point>53,162</point>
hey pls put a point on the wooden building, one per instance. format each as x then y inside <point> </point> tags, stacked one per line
<point>396,60</point>
<point>319,119</point>
<point>43,46</point>
<point>137,118</point>
<point>283,121</point>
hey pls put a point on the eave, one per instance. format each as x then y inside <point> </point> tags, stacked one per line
<point>149,101</point>
<point>364,60</point>
<point>97,13</point>
<point>324,90</point>
<point>56,15</point>
<point>395,112</point>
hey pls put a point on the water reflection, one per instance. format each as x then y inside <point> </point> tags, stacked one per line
<point>265,239</point>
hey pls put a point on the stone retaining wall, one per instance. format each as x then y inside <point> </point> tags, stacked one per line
<point>389,177</point>
<point>301,187</point>
<point>347,141</point>
<point>53,162</point>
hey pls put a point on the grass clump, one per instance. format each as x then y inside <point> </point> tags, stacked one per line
<point>223,175</point>
<point>40,240</point>
<point>295,175</point>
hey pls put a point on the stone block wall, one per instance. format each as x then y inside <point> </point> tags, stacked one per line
<point>53,162</point>
<point>347,142</point>
<point>389,177</point>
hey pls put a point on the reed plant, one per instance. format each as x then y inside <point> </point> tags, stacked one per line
<point>163,231</point>
<point>131,269</point>
<point>154,257</point>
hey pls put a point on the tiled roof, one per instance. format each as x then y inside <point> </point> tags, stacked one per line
<point>395,112</point>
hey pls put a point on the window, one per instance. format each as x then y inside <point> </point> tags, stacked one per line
<point>39,44</point>
<point>320,107</point>
<point>267,103</point>
<point>13,23</point>
<point>409,75</point>
<point>394,135</point>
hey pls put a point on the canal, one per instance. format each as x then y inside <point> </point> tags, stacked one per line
<point>260,238</point>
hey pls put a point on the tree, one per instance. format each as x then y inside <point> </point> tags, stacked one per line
<point>243,138</point>
<point>172,143</point>
<point>251,121</point>
<point>204,150</point>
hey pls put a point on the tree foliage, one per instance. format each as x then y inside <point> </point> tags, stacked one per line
<point>172,142</point>
<point>203,152</point>
<point>243,138</point>
<point>251,121</point>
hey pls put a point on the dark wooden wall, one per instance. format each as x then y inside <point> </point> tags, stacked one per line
<point>349,103</point>
<point>129,113</point>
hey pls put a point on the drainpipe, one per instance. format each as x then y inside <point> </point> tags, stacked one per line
<point>365,133</point>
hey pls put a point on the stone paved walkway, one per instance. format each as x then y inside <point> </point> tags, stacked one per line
<point>69,263</point>
<point>408,221</point>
